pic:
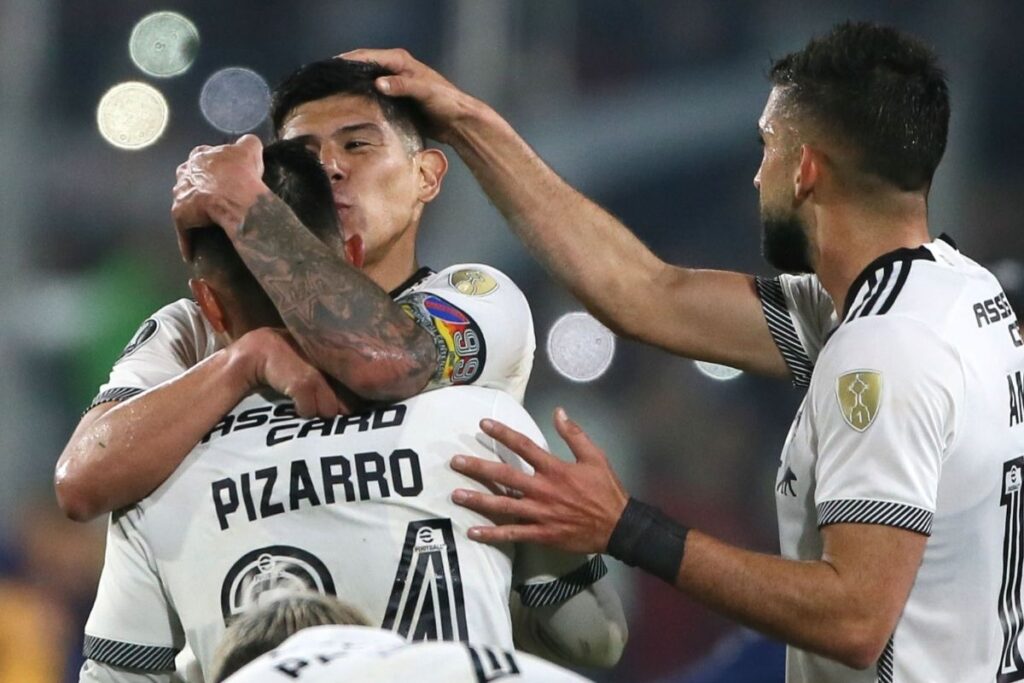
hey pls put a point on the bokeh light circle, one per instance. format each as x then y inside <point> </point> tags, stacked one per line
<point>132,115</point>
<point>580,348</point>
<point>164,44</point>
<point>722,373</point>
<point>235,100</point>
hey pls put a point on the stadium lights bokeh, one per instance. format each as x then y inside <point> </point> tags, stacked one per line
<point>721,373</point>
<point>132,115</point>
<point>579,347</point>
<point>164,44</point>
<point>235,100</point>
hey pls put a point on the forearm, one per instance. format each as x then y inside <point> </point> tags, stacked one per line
<point>585,247</point>
<point>347,325</point>
<point>810,605</point>
<point>120,456</point>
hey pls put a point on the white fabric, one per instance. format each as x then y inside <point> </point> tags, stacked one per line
<point>941,456</point>
<point>269,502</point>
<point>811,309</point>
<point>330,654</point>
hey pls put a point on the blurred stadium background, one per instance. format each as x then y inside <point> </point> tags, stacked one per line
<point>649,106</point>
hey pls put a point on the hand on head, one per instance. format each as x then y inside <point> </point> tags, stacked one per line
<point>442,103</point>
<point>217,185</point>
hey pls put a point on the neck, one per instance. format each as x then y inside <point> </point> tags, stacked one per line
<point>848,237</point>
<point>396,265</point>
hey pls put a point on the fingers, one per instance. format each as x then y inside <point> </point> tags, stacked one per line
<point>509,533</point>
<point>520,444</point>
<point>487,471</point>
<point>497,506</point>
<point>578,440</point>
<point>393,59</point>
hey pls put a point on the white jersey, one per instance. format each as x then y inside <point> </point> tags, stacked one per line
<point>913,419</point>
<point>329,654</point>
<point>358,507</point>
<point>479,320</point>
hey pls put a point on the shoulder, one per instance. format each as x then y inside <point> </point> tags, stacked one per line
<point>472,280</point>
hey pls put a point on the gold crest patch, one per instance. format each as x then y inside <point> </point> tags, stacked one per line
<point>860,394</point>
<point>473,282</point>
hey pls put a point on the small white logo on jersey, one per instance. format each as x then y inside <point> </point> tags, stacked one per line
<point>1012,482</point>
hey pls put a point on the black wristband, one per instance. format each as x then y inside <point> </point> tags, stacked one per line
<point>645,537</point>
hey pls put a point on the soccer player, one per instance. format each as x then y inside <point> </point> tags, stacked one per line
<point>899,486</point>
<point>329,654</point>
<point>351,651</point>
<point>358,506</point>
<point>384,332</point>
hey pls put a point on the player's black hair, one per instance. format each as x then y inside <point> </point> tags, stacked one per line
<point>877,90</point>
<point>261,630</point>
<point>327,77</point>
<point>294,174</point>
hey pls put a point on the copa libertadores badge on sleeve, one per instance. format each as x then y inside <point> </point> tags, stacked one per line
<point>860,395</point>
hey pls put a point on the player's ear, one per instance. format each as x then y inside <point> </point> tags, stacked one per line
<point>209,303</point>
<point>433,164</point>
<point>807,173</point>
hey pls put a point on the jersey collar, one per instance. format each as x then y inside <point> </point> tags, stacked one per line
<point>866,277</point>
<point>413,280</point>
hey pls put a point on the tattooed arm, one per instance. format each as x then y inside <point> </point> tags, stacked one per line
<point>346,324</point>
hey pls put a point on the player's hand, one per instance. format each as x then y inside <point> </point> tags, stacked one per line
<point>572,506</point>
<point>442,103</point>
<point>217,185</point>
<point>272,358</point>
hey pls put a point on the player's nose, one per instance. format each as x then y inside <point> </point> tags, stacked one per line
<point>333,165</point>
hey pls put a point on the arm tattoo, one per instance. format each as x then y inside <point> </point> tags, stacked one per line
<point>350,328</point>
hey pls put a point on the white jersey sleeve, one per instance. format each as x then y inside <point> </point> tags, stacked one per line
<point>561,608</point>
<point>328,654</point>
<point>481,325</point>
<point>884,404</point>
<point>95,672</point>
<point>168,343</point>
<point>800,315</point>
<point>132,624</point>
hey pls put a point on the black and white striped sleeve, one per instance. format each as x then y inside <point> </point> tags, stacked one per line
<point>780,324</point>
<point>909,517</point>
<point>541,594</point>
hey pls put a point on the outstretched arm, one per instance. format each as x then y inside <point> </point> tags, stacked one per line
<point>347,325</point>
<point>702,314</point>
<point>121,452</point>
<point>844,605</point>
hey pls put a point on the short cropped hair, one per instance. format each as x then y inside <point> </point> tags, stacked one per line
<point>337,76</point>
<point>261,630</point>
<point>294,174</point>
<point>876,90</point>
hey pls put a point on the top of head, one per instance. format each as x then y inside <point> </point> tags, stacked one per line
<point>295,175</point>
<point>328,77</point>
<point>876,91</point>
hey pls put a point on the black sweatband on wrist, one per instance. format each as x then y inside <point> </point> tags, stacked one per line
<point>645,537</point>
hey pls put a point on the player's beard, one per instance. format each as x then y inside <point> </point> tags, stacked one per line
<point>784,242</point>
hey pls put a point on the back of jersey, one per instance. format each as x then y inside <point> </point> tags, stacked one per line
<point>916,405</point>
<point>357,507</point>
<point>970,578</point>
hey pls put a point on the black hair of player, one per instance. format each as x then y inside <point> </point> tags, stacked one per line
<point>294,174</point>
<point>877,90</point>
<point>257,632</point>
<point>336,76</point>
